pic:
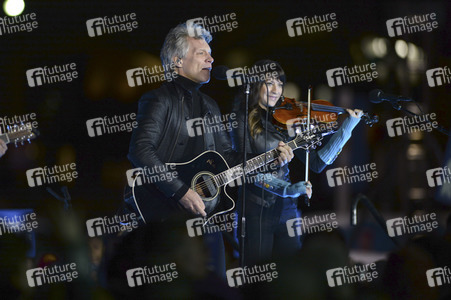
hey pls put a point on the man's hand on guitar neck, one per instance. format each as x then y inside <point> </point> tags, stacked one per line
<point>3,148</point>
<point>193,203</point>
<point>285,155</point>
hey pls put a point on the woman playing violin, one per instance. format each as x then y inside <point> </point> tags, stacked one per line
<point>270,203</point>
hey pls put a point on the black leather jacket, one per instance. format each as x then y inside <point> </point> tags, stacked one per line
<point>256,145</point>
<point>162,135</point>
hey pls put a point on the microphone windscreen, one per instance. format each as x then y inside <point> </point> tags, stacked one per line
<point>375,96</point>
<point>219,72</point>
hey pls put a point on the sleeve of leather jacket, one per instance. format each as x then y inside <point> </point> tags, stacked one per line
<point>152,118</point>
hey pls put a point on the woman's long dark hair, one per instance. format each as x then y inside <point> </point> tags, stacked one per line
<point>255,124</point>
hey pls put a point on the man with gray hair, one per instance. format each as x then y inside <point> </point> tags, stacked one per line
<point>162,135</point>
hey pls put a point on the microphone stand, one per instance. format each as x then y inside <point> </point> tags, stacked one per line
<point>397,106</point>
<point>243,186</point>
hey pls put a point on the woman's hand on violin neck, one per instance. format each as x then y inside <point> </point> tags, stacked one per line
<point>285,155</point>
<point>356,113</point>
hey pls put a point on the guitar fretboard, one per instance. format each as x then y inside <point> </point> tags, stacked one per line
<point>4,137</point>
<point>251,165</point>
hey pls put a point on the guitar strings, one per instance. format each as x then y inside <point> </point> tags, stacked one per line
<point>210,180</point>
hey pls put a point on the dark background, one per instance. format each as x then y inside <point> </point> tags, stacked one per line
<point>101,90</point>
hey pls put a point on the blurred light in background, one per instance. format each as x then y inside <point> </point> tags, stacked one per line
<point>374,47</point>
<point>13,7</point>
<point>417,193</point>
<point>416,59</point>
<point>401,48</point>
<point>237,58</point>
<point>379,47</point>
<point>415,152</point>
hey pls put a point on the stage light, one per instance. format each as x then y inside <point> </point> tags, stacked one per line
<point>416,58</point>
<point>374,47</point>
<point>379,47</point>
<point>13,7</point>
<point>401,48</point>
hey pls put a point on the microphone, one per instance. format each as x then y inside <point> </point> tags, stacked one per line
<point>377,96</point>
<point>220,72</point>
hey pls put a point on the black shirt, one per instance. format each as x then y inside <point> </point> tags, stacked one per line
<point>193,98</point>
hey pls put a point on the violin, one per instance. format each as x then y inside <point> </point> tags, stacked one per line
<point>322,111</point>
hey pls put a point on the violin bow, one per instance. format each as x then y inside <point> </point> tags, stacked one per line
<point>307,154</point>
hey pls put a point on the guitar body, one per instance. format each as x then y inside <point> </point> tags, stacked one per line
<point>208,175</point>
<point>153,206</point>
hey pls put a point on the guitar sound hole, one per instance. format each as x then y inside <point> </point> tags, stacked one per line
<point>205,187</point>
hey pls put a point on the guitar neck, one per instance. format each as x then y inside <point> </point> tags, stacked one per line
<point>4,137</point>
<point>18,134</point>
<point>252,164</point>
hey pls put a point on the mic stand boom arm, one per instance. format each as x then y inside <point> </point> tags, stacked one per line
<point>398,106</point>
